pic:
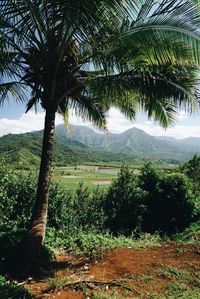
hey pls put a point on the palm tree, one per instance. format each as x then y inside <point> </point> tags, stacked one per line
<point>90,55</point>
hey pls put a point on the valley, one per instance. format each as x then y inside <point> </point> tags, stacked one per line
<point>82,145</point>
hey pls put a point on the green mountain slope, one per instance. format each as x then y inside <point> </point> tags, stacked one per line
<point>24,150</point>
<point>134,142</point>
<point>85,145</point>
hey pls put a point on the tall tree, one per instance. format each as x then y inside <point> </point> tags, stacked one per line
<point>90,55</point>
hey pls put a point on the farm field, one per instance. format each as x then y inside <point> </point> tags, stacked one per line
<point>90,175</point>
<point>93,175</point>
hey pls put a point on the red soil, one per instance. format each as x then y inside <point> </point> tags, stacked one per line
<point>126,265</point>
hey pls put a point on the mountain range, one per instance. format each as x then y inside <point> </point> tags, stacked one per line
<point>133,142</point>
<point>82,144</point>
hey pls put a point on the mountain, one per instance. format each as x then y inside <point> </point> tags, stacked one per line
<point>187,144</point>
<point>24,150</point>
<point>82,144</point>
<point>134,142</point>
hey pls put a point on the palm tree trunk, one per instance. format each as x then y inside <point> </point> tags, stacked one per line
<point>36,235</point>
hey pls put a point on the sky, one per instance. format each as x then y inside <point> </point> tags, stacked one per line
<point>14,120</point>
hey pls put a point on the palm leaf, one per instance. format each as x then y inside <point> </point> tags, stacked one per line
<point>130,45</point>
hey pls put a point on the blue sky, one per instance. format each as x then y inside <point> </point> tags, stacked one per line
<point>14,120</point>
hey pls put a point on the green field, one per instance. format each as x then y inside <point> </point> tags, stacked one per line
<point>100,174</point>
<point>90,176</point>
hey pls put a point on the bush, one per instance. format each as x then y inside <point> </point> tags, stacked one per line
<point>9,241</point>
<point>124,205</point>
<point>192,170</point>
<point>153,202</point>
<point>169,202</point>
<point>92,243</point>
<point>89,208</point>
<point>68,210</point>
<point>11,291</point>
<point>191,234</point>
<point>17,193</point>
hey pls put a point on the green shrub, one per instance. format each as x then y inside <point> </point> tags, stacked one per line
<point>153,202</point>
<point>124,205</point>
<point>169,202</point>
<point>61,213</point>
<point>92,243</point>
<point>190,234</point>
<point>69,211</point>
<point>11,291</point>
<point>9,241</point>
<point>89,207</point>
<point>192,170</point>
<point>17,193</point>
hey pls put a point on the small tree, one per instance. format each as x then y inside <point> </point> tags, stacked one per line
<point>154,202</point>
<point>192,170</point>
<point>124,205</point>
<point>170,202</point>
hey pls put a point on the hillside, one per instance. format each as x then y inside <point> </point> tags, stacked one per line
<point>83,144</point>
<point>133,142</point>
<point>24,150</point>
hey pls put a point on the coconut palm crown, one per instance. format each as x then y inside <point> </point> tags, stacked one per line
<point>90,55</point>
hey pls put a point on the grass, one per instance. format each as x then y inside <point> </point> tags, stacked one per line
<point>57,282</point>
<point>172,272</point>
<point>184,283</point>
<point>114,296</point>
<point>180,290</point>
<point>10,291</point>
<point>92,244</point>
<point>90,175</point>
<point>190,234</point>
<point>146,277</point>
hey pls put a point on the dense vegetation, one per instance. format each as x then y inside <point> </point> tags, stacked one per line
<point>9,290</point>
<point>152,202</point>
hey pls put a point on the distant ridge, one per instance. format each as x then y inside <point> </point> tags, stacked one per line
<point>133,142</point>
<point>83,144</point>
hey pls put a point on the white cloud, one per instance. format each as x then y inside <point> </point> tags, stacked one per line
<point>182,115</point>
<point>117,123</point>
<point>178,131</point>
<point>30,121</point>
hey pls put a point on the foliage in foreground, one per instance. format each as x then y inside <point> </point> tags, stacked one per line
<point>191,234</point>
<point>92,243</point>
<point>10,291</point>
<point>151,202</point>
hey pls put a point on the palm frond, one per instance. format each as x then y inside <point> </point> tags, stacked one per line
<point>150,86</point>
<point>13,89</point>
<point>32,102</point>
<point>89,109</point>
<point>141,52</point>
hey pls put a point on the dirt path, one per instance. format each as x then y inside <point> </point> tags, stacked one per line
<point>146,271</point>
